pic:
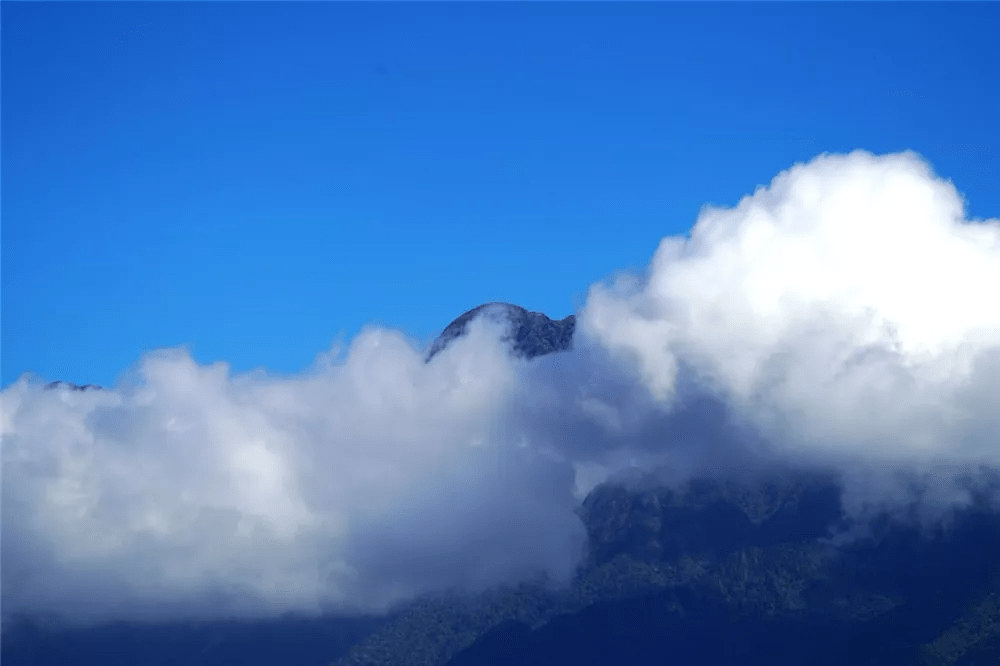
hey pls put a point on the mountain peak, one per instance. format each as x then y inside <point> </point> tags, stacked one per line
<point>531,334</point>
<point>70,386</point>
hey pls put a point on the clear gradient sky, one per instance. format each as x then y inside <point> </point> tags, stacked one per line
<point>255,180</point>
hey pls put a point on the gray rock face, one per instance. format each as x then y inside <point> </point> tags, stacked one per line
<point>70,386</point>
<point>531,334</point>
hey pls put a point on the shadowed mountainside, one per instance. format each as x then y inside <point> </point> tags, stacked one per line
<point>713,571</point>
<point>902,597</point>
<point>727,572</point>
<point>724,571</point>
<point>287,641</point>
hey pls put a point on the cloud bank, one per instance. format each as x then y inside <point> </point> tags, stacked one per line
<point>848,309</point>
<point>842,317</point>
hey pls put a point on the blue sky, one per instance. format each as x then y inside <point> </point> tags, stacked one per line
<point>254,180</point>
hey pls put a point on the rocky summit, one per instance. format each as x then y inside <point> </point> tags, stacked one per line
<point>70,386</point>
<point>530,334</point>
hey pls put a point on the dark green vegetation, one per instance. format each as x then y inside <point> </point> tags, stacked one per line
<point>729,574</point>
<point>901,597</point>
<point>287,641</point>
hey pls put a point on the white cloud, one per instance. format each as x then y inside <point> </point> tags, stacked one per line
<point>189,491</point>
<point>847,311</point>
<point>843,316</point>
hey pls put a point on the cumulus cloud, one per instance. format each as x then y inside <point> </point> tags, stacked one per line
<point>188,491</point>
<point>841,317</point>
<point>847,311</point>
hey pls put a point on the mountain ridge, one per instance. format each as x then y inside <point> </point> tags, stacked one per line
<point>711,571</point>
